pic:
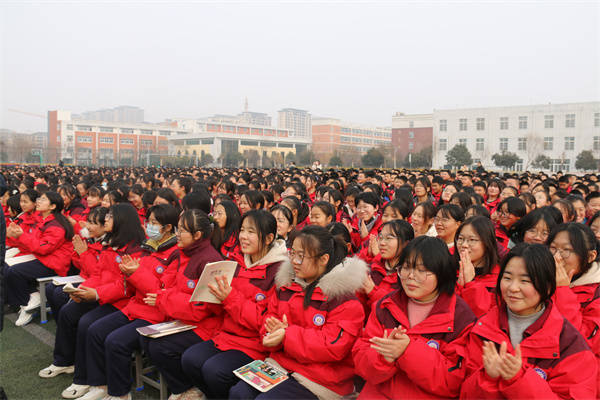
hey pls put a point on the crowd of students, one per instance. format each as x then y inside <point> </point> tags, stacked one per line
<point>385,284</point>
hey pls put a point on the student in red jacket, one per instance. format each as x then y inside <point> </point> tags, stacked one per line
<point>369,221</point>
<point>135,198</point>
<point>299,209</point>
<point>74,209</point>
<point>85,262</point>
<point>285,223</point>
<point>93,201</point>
<point>104,292</point>
<point>493,191</point>
<point>198,239</point>
<point>50,244</point>
<point>112,339</point>
<point>510,210</point>
<point>209,365</point>
<point>228,217</point>
<point>477,256</point>
<point>412,343</point>
<point>524,347</point>
<point>28,218</point>
<point>322,213</point>
<point>313,320</point>
<point>447,221</point>
<point>383,275</point>
<point>577,295</point>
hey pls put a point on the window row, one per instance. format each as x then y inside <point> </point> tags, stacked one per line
<point>522,122</point>
<point>548,143</point>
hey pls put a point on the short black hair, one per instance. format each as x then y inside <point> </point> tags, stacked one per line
<point>540,266</point>
<point>400,206</point>
<point>453,211</point>
<point>485,229</point>
<point>369,198</point>
<point>582,240</point>
<point>165,214</point>
<point>198,200</point>
<point>530,220</point>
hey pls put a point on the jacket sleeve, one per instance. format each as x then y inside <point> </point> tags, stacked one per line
<point>443,374</point>
<point>176,304</point>
<point>477,384</point>
<point>368,363</point>
<point>567,381</point>
<point>247,311</point>
<point>477,296</point>
<point>146,281</point>
<point>115,289</point>
<point>331,342</point>
<point>86,262</point>
<point>377,293</point>
<point>50,240</point>
<point>586,320</point>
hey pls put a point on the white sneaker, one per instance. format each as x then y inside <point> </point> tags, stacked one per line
<point>75,391</point>
<point>24,317</point>
<point>34,301</point>
<point>53,370</point>
<point>191,394</point>
<point>95,393</point>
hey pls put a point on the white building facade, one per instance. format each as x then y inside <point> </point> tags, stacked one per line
<point>558,131</point>
<point>297,121</point>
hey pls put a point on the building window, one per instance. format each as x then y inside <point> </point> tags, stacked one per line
<point>146,142</point>
<point>106,129</point>
<point>503,144</point>
<point>570,121</point>
<point>70,126</point>
<point>126,130</point>
<point>192,142</point>
<point>570,143</point>
<point>84,128</point>
<point>503,123</point>
<point>411,135</point>
<point>106,140</point>
<point>164,133</point>
<point>345,139</point>
<point>522,122</point>
<point>480,124</point>
<point>479,144</point>
<point>69,139</point>
<point>443,125</point>
<point>549,121</point>
<point>548,143</point>
<point>208,141</point>
<point>522,143</point>
<point>462,124</point>
<point>462,142</point>
<point>596,142</point>
<point>84,139</point>
<point>596,119</point>
<point>411,124</point>
<point>443,144</point>
<point>146,131</point>
<point>126,141</point>
<point>411,145</point>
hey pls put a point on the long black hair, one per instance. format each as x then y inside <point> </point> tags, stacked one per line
<point>484,228</point>
<point>317,241</point>
<point>583,241</point>
<point>195,220</point>
<point>56,199</point>
<point>234,219</point>
<point>126,226</point>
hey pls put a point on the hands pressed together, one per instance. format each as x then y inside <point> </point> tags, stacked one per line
<point>392,345</point>
<point>501,364</point>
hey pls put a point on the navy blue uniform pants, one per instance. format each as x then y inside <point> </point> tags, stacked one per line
<point>165,353</point>
<point>56,298</point>
<point>110,342</point>
<point>211,369</point>
<point>71,332</point>
<point>21,281</point>
<point>289,389</point>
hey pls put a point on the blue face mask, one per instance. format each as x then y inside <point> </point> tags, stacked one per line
<point>153,231</point>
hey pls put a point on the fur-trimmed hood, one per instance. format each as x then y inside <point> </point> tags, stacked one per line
<point>591,276</point>
<point>344,279</point>
<point>278,252</point>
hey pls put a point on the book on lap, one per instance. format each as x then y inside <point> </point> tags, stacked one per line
<point>164,329</point>
<point>261,375</point>
<point>210,272</point>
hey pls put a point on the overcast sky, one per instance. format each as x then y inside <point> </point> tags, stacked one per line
<point>360,62</point>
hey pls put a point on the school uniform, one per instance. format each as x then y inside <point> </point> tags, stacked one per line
<point>27,222</point>
<point>502,236</point>
<point>385,281</point>
<point>373,227</point>
<point>231,249</point>
<point>316,349</point>
<point>209,365</point>
<point>75,210</point>
<point>112,339</point>
<point>557,362</point>
<point>480,293</point>
<point>174,303</point>
<point>52,251</point>
<point>430,366</point>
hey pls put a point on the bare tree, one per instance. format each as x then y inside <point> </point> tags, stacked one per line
<point>535,147</point>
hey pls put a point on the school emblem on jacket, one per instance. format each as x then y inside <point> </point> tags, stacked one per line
<point>259,297</point>
<point>434,344</point>
<point>118,259</point>
<point>541,373</point>
<point>318,319</point>
<point>159,269</point>
<point>191,284</point>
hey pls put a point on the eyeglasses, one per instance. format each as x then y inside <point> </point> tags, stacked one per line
<point>386,238</point>
<point>218,213</point>
<point>298,258</point>
<point>470,241</point>
<point>443,220</point>
<point>503,213</point>
<point>108,216</point>
<point>418,272</point>
<point>540,234</point>
<point>564,253</point>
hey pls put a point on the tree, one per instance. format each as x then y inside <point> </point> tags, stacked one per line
<point>422,159</point>
<point>535,146</point>
<point>335,161</point>
<point>586,161</point>
<point>306,158</point>
<point>232,159</point>
<point>387,150</point>
<point>541,161</point>
<point>506,159</point>
<point>350,156</point>
<point>373,158</point>
<point>458,156</point>
<point>290,157</point>
<point>252,158</point>
<point>206,159</point>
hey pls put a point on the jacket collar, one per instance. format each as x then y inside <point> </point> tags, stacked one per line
<point>153,246</point>
<point>440,318</point>
<point>277,253</point>
<point>591,276</point>
<point>343,279</point>
<point>196,247</point>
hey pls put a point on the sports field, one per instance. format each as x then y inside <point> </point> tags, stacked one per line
<point>26,350</point>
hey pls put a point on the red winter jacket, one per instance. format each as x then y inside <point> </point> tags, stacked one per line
<point>174,301</point>
<point>142,215</point>
<point>75,210</point>
<point>230,250</point>
<point>502,236</point>
<point>87,262</point>
<point>48,244</point>
<point>148,279</point>
<point>430,365</point>
<point>480,293</point>
<point>385,282</point>
<point>27,222</point>
<point>491,206</point>
<point>319,339</point>
<point>107,278</point>
<point>359,241</point>
<point>77,228</point>
<point>557,362</point>
<point>252,284</point>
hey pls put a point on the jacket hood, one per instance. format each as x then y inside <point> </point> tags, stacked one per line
<point>344,279</point>
<point>591,276</point>
<point>277,253</point>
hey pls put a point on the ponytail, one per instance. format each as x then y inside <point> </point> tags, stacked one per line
<point>196,220</point>
<point>57,200</point>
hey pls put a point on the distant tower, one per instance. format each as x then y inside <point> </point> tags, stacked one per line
<point>246,105</point>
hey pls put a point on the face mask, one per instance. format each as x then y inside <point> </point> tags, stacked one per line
<point>104,185</point>
<point>84,233</point>
<point>153,231</point>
